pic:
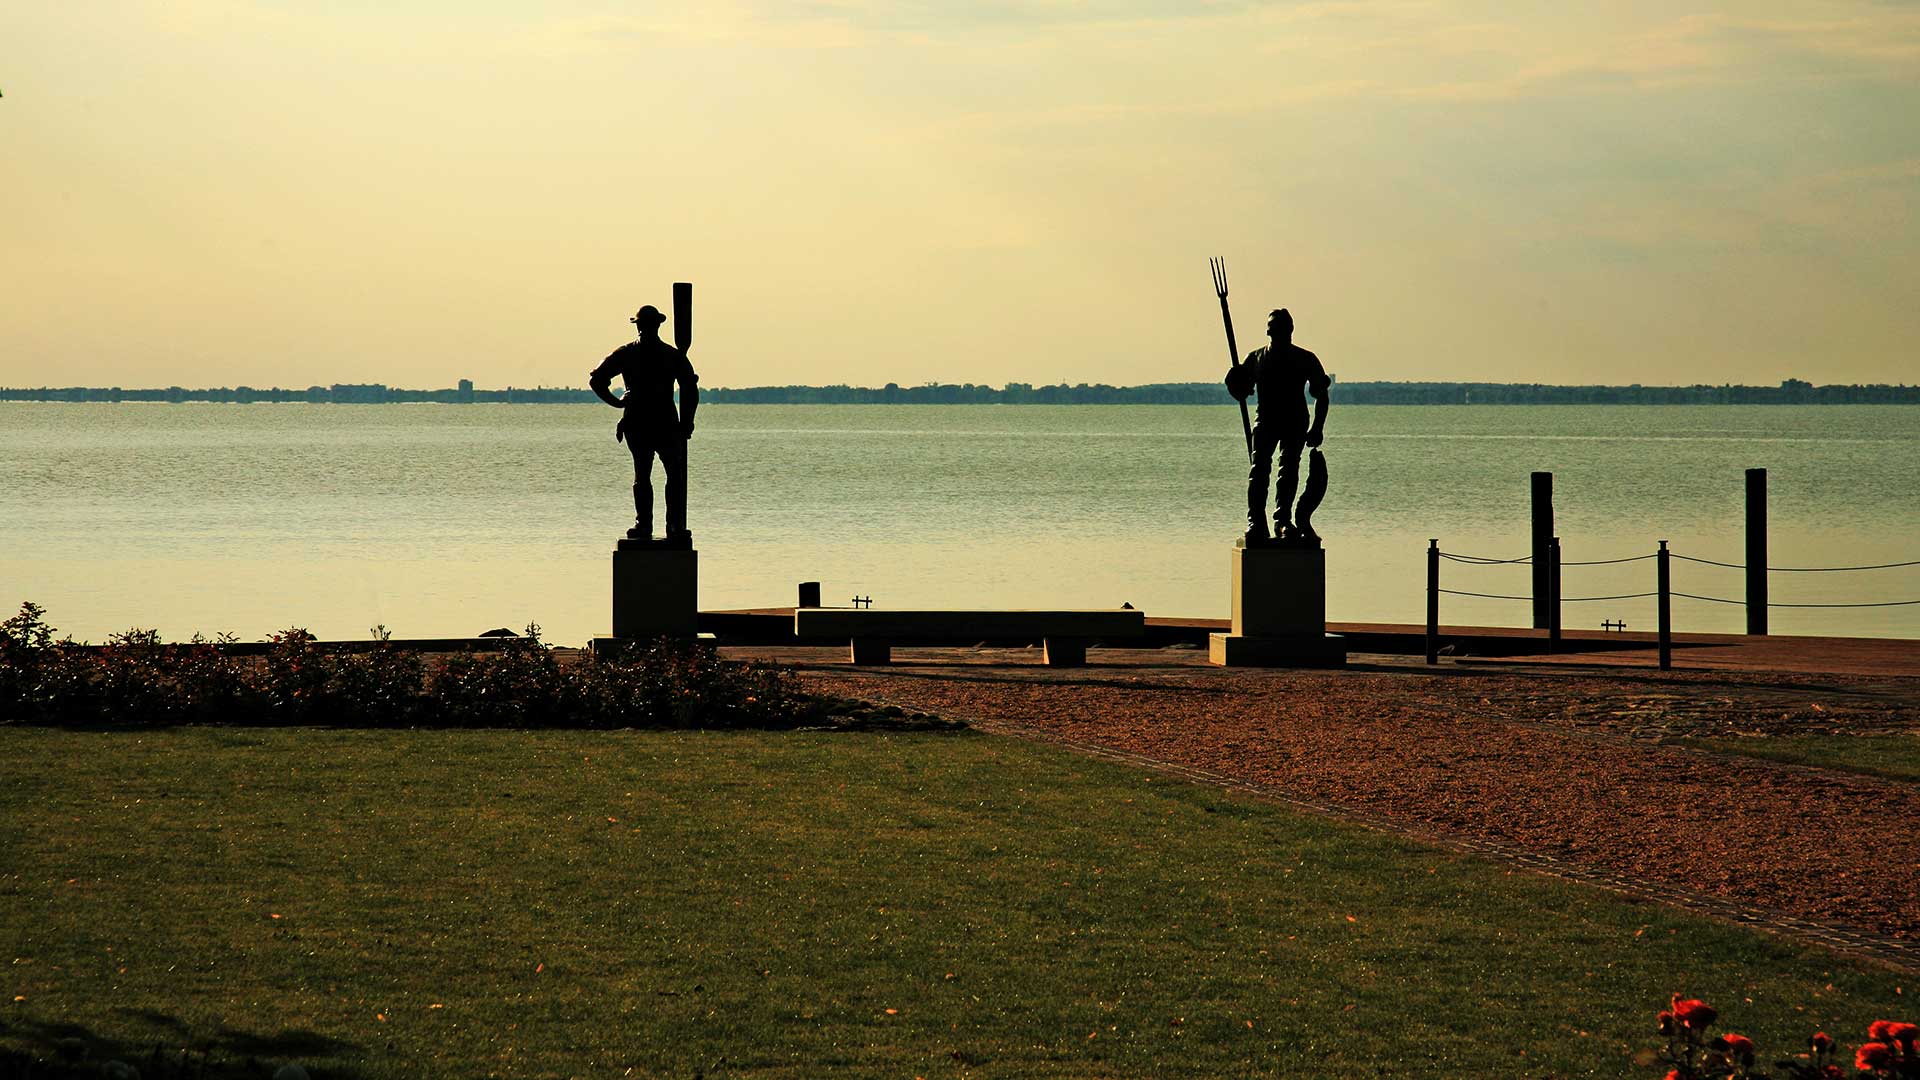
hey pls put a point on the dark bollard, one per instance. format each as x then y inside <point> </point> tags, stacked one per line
<point>1757,551</point>
<point>1433,601</point>
<point>1542,537</point>
<point>1665,606</point>
<point>809,594</point>
<point>1553,596</point>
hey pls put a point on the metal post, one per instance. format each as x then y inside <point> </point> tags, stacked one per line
<point>1433,601</point>
<point>1553,594</point>
<point>1665,605</point>
<point>1757,551</point>
<point>1542,536</point>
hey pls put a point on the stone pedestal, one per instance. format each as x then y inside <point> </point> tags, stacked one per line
<point>655,590</point>
<point>1279,610</point>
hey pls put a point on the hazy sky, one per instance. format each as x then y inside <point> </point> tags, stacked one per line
<point>211,192</point>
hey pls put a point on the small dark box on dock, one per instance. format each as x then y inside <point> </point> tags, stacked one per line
<point>809,594</point>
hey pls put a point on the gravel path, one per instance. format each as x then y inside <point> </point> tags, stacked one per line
<point>1558,762</point>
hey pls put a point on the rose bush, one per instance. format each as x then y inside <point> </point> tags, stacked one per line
<point>1890,1050</point>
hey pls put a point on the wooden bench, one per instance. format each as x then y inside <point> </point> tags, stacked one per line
<point>1064,634</point>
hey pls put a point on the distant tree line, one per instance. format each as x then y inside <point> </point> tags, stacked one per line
<point>1789,392</point>
<point>975,394</point>
<point>337,394</point>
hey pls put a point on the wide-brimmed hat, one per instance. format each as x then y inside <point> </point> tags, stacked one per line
<point>648,316</point>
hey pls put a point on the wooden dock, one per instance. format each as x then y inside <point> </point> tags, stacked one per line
<point>1490,645</point>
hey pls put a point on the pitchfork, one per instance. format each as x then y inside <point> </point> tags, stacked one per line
<point>1219,268</point>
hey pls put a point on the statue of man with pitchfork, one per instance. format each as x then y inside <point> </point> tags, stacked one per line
<point>1282,374</point>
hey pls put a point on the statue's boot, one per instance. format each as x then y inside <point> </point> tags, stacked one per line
<point>642,512</point>
<point>1285,483</point>
<point>1257,473</point>
<point>673,456</point>
<point>1257,509</point>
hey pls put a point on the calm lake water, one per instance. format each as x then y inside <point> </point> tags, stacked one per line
<point>449,520</point>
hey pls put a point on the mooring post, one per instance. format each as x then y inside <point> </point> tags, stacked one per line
<point>1542,537</point>
<point>1757,551</point>
<point>1665,605</point>
<point>1553,592</point>
<point>1433,601</point>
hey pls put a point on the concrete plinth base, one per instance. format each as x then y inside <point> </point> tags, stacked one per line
<point>1279,591</point>
<point>1064,652</point>
<point>870,651</point>
<point>1291,650</point>
<point>655,591</point>
<point>1279,610</point>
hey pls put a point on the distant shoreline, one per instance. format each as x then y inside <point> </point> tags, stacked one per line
<point>1789,392</point>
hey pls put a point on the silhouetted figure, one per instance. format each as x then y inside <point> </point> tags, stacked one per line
<point>650,367</point>
<point>1283,373</point>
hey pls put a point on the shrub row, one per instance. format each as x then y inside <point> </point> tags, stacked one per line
<point>136,680</point>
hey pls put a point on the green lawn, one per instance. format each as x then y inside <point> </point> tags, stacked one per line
<point>455,903</point>
<point>1896,756</point>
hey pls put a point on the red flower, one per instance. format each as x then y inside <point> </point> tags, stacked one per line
<point>1673,1074</point>
<point>1741,1048</point>
<point>1877,1031</point>
<point>1693,1013</point>
<point>1821,1042</point>
<point>1872,1055</point>
<point>1666,1022</point>
<point>1904,1033</point>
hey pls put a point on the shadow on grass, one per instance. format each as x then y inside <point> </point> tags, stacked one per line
<point>58,1049</point>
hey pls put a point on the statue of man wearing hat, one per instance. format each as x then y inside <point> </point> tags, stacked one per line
<point>1283,374</point>
<point>650,368</point>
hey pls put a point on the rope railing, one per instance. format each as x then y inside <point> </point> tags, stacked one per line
<point>1481,559</point>
<point>1743,603</point>
<point>1795,569</point>
<point>1756,601</point>
<point>1564,599</point>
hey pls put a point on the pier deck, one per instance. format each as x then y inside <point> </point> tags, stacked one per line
<point>1493,645</point>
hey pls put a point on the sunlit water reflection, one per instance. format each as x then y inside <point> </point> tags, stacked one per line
<point>455,519</point>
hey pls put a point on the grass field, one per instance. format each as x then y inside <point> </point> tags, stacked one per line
<point>472,903</point>
<point>1896,757</point>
